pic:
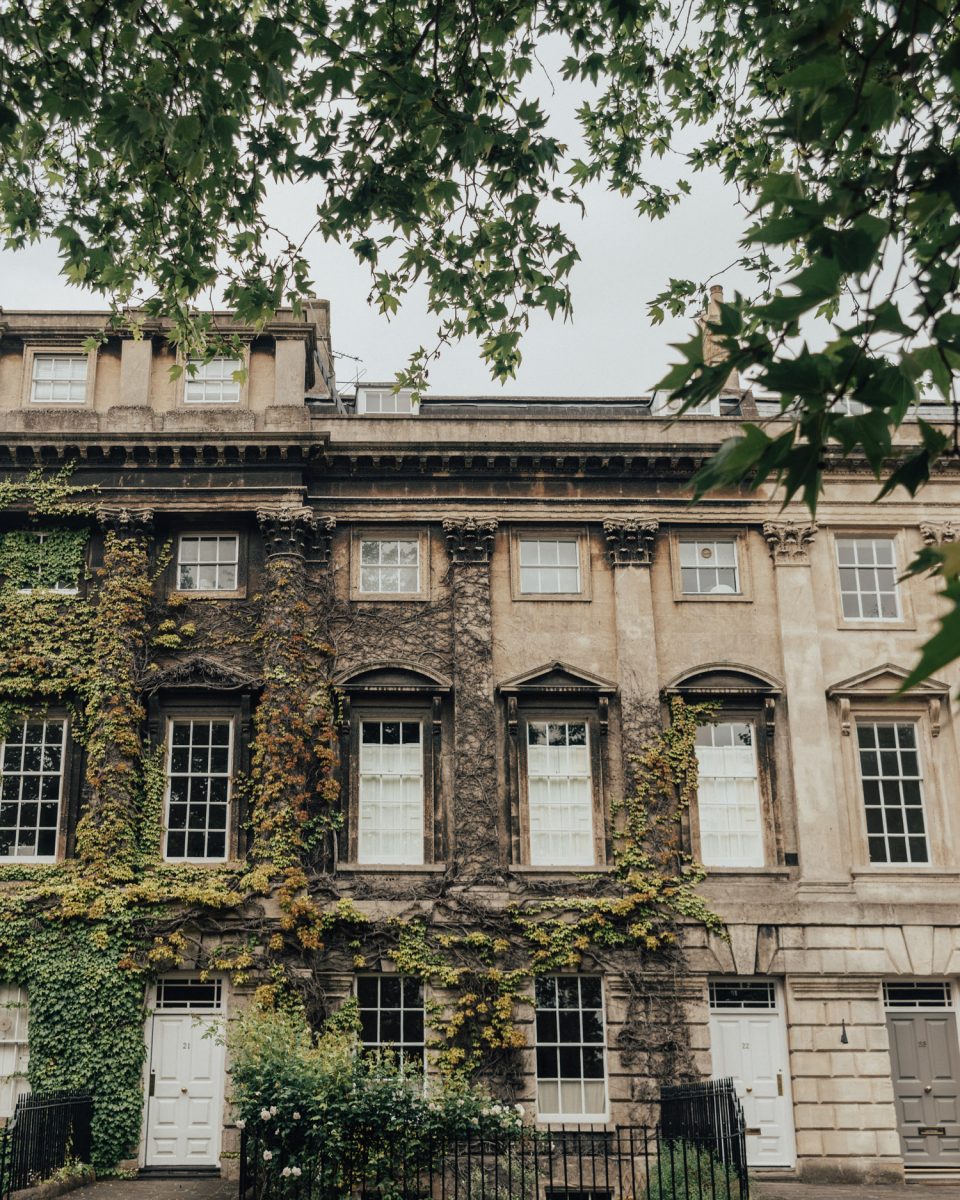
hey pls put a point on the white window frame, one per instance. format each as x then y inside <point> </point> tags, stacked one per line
<point>839,540</point>
<point>14,1046</point>
<point>581,1118</point>
<point>709,543</point>
<point>893,722</point>
<point>763,999</point>
<point>381,540</point>
<point>903,1003</point>
<point>22,775</point>
<point>56,589</point>
<point>217,564</point>
<point>211,380</point>
<point>368,780</point>
<point>202,987</point>
<point>79,386</point>
<point>757,858</point>
<point>193,719</point>
<point>401,1048</point>
<point>539,856</point>
<point>551,547</point>
<point>385,402</point>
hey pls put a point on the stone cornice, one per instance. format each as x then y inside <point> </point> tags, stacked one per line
<point>630,540</point>
<point>469,539</point>
<point>789,542</point>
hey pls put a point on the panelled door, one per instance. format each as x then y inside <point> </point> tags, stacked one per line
<point>185,1090</point>
<point>748,1042</point>
<point>925,1062</point>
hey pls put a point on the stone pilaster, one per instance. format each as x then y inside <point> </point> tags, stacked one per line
<point>824,856</point>
<point>288,529</point>
<point>631,542</point>
<point>476,812</point>
<point>125,522</point>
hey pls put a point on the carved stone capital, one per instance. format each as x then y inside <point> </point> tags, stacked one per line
<point>789,542</point>
<point>469,539</point>
<point>288,529</point>
<point>937,533</point>
<point>125,522</point>
<point>630,541</point>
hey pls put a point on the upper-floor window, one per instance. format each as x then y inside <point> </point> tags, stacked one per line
<point>728,795</point>
<point>212,382</point>
<point>392,1017</point>
<point>868,579</point>
<point>892,781</point>
<point>559,793</point>
<point>708,566</point>
<point>386,402</point>
<point>390,818</point>
<point>208,562</point>
<point>549,566</point>
<point>199,773</point>
<point>571,1072</point>
<point>32,783</point>
<point>59,379</point>
<point>43,560</point>
<point>390,565</point>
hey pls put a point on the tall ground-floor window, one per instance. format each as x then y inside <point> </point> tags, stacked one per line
<point>392,1017</point>
<point>571,1068</point>
<point>32,782</point>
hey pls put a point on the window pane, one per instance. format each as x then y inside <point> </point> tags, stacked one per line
<point>199,771</point>
<point>391,792</point>
<point>559,794</point>
<point>868,579</point>
<point>390,566</point>
<point>549,566</point>
<point>571,1076</point>
<point>728,796</point>
<point>207,563</point>
<point>892,792</point>
<point>392,1017</point>
<point>32,758</point>
<point>708,566</point>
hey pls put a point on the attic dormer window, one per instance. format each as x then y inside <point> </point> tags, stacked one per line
<point>215,381</point>
<point>59,379</point>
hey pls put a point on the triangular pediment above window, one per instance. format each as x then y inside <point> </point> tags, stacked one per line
<point>199,672</point>
<point>557,677</point>
<point>885,680</point>
<point>392,676</point>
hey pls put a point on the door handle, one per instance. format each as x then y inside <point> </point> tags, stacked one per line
<point>779,1083</point>
<point>153,1083</point>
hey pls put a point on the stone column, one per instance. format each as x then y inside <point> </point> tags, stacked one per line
<point>630,549</point>
<point>821,837</point>
<point>475,837</point>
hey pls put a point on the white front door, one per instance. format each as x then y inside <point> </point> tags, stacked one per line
<point>185,1092</point>
<point>748,1043</point>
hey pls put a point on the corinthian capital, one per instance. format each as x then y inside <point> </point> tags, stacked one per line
<point>469,539</point>
<point>936,533</point>
<point>630,541</point>
<point>290,529</point>
<point>125,522</point>
<point>789,542</point>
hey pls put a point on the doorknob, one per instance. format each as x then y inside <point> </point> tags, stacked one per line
<point>183,1091</point>
<point>928,1087</point>
<point>749,1089</point>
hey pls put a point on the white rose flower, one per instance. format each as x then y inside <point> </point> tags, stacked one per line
<point>264,1114</point>
<point>520,1109</point>
<point>296,1116</point>
<point>273,1110</point>
<point>267,1155</point>
<point>286,1172</point>
<point>296,1172</point>
<point>241,1123</point>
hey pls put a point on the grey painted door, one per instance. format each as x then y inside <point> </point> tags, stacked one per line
<point>925,1058</point>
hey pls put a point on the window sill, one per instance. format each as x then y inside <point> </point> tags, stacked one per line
<point>548,597</point>
<point>740,872</point>
<point>234,594</point>
<point>707,597</point>
<point>922,871</point>
<point>352,868</point>
<point>885,624</point>
<point>389,597</point>
<point>529,869</point>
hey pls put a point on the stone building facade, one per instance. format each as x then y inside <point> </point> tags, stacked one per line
<point>512,590</point>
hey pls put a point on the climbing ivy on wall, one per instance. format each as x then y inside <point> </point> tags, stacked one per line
<point>87,934</point>
<point>43,558</point>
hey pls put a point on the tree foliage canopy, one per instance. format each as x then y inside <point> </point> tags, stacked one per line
<point>143,134</point>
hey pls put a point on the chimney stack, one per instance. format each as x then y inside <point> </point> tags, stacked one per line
<point>713,352</point>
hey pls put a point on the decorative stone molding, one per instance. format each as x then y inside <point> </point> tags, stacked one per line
<point>630,541</point>
<point>789,542</point>
<point>291,530</point>
<point>937,533</point>
<point>469,539</point>
<point>125,522</point>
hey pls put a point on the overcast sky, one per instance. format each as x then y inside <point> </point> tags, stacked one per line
<point>608,348</point>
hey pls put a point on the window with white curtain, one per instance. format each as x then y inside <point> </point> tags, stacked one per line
<point>391,792</point>
<point>559,793</point>
<point>571,1070</point>
<point>708,566</point>
<point>728,795</point>
<point>212,382</point>
<point>14,1050</point>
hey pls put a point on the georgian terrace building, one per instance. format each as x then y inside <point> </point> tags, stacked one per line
<point>520,585</point>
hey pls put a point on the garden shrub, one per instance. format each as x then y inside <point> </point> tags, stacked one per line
<point>693,1172</point>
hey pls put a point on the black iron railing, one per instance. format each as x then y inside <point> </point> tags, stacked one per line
<point>705,1114</point>
<point>543,1163</point>
<point>47,1130</point>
